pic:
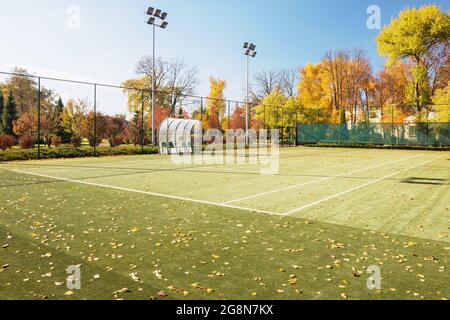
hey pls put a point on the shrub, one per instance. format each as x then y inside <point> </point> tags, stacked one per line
<point>26,142</point>
<point>7,141</point>
<point>76,141</point>
<point>55,153</point>
<point>56,141</point>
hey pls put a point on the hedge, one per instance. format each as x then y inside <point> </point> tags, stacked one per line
<point>67,152</point>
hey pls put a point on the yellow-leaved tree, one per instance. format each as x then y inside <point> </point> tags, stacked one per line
<point>419,35</point>
<point>314,93</point>
<point>442,104</point>
<point>215,104</point>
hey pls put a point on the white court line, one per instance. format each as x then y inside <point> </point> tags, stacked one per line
<point>147,193</point>
<point>316,181</point>
<point>356,188</point>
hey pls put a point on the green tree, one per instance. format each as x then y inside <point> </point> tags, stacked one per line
<point>57,119</point>
<point>419,35</point>
<point>9,115</point>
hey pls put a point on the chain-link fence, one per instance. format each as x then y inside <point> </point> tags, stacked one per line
<point>395,125</point>
<point>44,115</point>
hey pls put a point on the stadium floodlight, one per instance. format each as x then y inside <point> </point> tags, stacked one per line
<point>249,52</point>
<point>155,14</point>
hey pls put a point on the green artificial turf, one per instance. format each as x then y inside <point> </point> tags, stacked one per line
<point>172,249</point>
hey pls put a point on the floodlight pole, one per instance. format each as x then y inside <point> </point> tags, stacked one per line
<point>153,88</point>
<point>154,16</point>
<point>247,109</point>
<point>250,52</point>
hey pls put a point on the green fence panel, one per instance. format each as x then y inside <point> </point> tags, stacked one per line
<point>417,134</point>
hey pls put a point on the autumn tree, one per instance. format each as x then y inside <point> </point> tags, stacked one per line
<point>442,104</point>
<point>237,118</point>
<point>74,118</point>
<point>50,120</point>
<point>215,105</point>
<point>117,131</point>
<point>173,77</point>
<point>95,131</point>
<point>270,110</point>
<point>419,36</point>
<point>25,125</point>
<point>314,93</point>
<point>23,90</point>
<point>265,82</point>
<point>268,81</point>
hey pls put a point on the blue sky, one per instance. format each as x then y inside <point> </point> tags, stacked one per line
<point>205,33</point>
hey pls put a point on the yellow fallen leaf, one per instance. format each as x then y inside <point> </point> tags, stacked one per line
<point>210,290</point>
<point>69,293</point>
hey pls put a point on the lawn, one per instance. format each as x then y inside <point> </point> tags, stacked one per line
<point>225,231</point>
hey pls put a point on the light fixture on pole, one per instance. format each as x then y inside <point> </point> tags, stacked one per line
<point>157,17</point>
<point>250,52</point>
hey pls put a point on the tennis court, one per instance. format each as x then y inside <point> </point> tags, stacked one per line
<point>401,192</point>
<point>142,227</point>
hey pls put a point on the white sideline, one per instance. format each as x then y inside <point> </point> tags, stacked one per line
<point>316,181</point>
<point>356,188</point>
<point>147,193</point>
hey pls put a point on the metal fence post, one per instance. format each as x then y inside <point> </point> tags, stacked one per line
<point>229,114</point>
<point>318,125</point>
<point>95,120</point>
<point>392,128</point>
<point>296,127</point>
<point>201,111</point>
<point>265,118</point>
<point>142,122</point>
<point>282,127</point>
<point>428,126</point>
<point>39,119</point>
